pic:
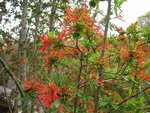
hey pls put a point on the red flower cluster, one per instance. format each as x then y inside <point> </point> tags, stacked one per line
<point>77,23</point>
<point>45,93</point>
<point>54,48</point>
<point>148,78</point>
<point>78,20</point>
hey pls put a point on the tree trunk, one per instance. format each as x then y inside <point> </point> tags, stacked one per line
<point>22,49</point>
<point>22,43</point>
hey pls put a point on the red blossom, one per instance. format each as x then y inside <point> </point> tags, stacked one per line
<point>148,78</point>
<point>22,61</point>
<point>117,100</point>
<point>33,84</point>
<point>61,108</point>
<point>47,94</point>
<point>90,108</point>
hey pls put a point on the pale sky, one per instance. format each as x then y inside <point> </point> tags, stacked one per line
<point>132,9</point>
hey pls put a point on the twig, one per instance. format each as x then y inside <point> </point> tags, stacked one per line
<point>12,75</point>
<point>2,70</point>
<point>125,100</point>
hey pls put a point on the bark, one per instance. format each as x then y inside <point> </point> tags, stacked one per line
<point>37,15</point>
<point>53,15</point>
<point>21,74</point>
<point>22,43</point>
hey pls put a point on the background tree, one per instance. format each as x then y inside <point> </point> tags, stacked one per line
<point>144,25</point>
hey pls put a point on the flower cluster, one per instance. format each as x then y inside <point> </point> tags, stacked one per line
<point>46,93</point>
<point>77,24</point>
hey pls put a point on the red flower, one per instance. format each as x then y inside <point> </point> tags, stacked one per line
<point>47,94</point>
<point>90,108</point>
<point>61,108</point>
<point>46,41</point>
<point>117,100</point>
<point>32,84</point>
<point>148,78</point>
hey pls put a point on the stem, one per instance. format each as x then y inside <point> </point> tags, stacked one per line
<point>79,76</point>
<point>125,100</point>
<point>102,55</point>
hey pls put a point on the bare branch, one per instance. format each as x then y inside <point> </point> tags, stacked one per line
<point>12,75</point>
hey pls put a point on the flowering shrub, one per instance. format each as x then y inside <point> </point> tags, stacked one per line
<point>78,68</point>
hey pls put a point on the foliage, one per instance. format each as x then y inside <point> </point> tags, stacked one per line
<point>73,56</point>
<point>72,61</point>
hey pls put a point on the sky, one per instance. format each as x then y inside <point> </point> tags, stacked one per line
<point>132,9</point>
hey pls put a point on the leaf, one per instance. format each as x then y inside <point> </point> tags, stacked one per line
<point>130,91</point>
<point>131,104</point>
<point>139,110</point>
<point>142,100</point>
<point>76,35</point>
<point>102,103</point>
<point>51,35</point>
<point>56,103</point>
<point>114,106</point>
<point>56,77</point>
<point>146,67</point>
<point>132,79</point>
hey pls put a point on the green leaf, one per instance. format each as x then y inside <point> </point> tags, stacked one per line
<point>114,106</point>
<point>76,35</point>
<point>139,111</point>
<point>131,104</point>
<point>146,67</point>
<point>102,103</point>
<point>142,100</point>
<point>130,91</point>
<point>56,77</point>
<point>56,103</point>
<point>51,35</point>
<point>132,79</point>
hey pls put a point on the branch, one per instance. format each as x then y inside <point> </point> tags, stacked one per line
<point>106,26</point>
<point>125,100</point>
<point>12,75</point>
<point>79,77</point>
<point>96,99</point>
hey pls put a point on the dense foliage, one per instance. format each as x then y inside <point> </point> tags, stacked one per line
<point>77,67</point>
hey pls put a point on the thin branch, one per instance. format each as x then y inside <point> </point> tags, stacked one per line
<point>2,70</point>
<point>96,99</point>
<point>12,75</point>
<point>106,26</point>
<point>129,98</point>
<point>79,76</point>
